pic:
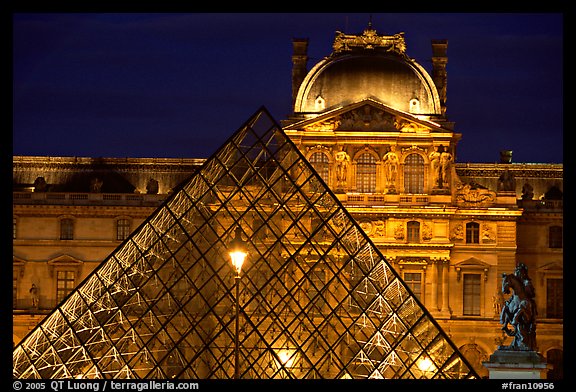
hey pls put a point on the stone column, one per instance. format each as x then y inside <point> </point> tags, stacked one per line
<point>445,288</point>
<point>434,285</point>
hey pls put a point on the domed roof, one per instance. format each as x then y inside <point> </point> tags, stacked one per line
<point>368,66</point>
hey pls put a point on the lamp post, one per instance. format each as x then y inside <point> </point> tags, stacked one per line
<point>237,251</point>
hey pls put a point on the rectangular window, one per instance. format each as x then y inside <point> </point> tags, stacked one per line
<point>14,225</point>
<point>414,281</point>
<point>64,284</point>
<point>471,295</point>
<point>555,237</point>
<point>472,233</point>
<point>413,231</point>
<point>122,229</point>
<point>554,298</point>
<point>67,229</point>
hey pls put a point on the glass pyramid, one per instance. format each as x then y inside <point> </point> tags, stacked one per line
<point>317,299</point>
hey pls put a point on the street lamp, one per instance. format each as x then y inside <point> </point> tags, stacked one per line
<point>237,251</point>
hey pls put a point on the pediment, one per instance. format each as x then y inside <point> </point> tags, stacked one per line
<point>472,263</point>
<point>366,115</point>
<point>65,262</point>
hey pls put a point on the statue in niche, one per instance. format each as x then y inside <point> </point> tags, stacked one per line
<point>519,310</point>
<point>96,185</point>
<point>391,163</point>
<point>342,162</point>
<point>152,187</point>
<point>34,296</point>
<point>506,182</point>
<point>445,166</point>
<point>527,192</point>
<point>40,185</point>
<point>435,166</point>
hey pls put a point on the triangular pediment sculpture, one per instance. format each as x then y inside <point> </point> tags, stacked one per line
<point>366,115</point>
<point>316,297</point>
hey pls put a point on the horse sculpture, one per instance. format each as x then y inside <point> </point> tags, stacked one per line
<point>519,311</point>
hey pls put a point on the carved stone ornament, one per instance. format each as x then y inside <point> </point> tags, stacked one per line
<point>330,124</point>
<point>369,40</point>
<point>410,127</point>
<point>457,233</point>
<point>468,194</point>
<point>366,118</point>
<point>399,232</point>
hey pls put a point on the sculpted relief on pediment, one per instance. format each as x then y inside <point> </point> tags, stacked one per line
<point>366,118</point>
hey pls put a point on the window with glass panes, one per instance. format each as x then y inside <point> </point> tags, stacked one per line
<point>472,233</point>
<point>366,173</point>
<point>122,229</point>
<point>321,164</point>
<point>414,281</point>
<point>413,231</point>
<point>554,298</point>
<point>64,284</point>
<point>471,294</point>
<point>414,174</point>
<point>67,229</point>
<point>555,237</point>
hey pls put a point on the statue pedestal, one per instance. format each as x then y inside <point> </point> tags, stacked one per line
<point>511,364</point>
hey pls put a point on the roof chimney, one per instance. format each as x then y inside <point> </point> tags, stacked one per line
<point>439,74</point>
<point>299,61</point>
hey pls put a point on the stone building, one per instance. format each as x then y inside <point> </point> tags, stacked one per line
<point>373,123</point>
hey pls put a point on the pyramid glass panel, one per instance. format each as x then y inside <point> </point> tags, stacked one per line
<point>316,298</point>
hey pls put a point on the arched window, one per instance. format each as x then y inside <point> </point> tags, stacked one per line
<point>413,231</point>
<point>414,174</point>
<point>472,233</point>
<point>366,173</point>
<point>321,164</point>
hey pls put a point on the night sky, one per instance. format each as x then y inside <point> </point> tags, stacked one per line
<point>178,85</point>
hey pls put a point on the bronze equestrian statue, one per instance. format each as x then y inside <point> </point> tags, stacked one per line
<point>519,310</point>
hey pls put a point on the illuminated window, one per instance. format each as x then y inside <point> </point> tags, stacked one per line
<point>366,173</point>
<point>413,231</point>
<point>472,295</point>
<point>67,229</point>
<point>122,229</point>
<point>555,237</point>
<point>414,174</point>
<point>414,281</point>
<point>14,225</point>
<point>64,284</point>
<point>554,298</point>
<point>472,233</point>
<point>321,164</point>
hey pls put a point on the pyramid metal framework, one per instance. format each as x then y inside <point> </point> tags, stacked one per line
<point>317,298</point>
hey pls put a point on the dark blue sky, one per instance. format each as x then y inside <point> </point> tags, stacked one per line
<point>178,85</point>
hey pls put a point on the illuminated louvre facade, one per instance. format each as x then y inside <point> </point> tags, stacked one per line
<point>371,121</point>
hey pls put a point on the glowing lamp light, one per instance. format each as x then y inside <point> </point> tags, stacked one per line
<point>426,365</point>
<point>286,357</point>
<point>237,251</point>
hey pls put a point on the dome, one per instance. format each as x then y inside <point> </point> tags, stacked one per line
<point>379,70</point>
